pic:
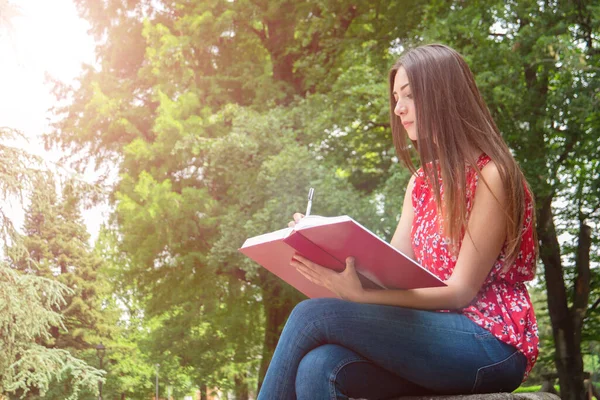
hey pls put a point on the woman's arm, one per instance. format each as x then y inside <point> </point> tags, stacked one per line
<point>401,239</point>
<point>478,253</point>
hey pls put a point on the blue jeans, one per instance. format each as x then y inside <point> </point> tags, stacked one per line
<point>336,349</point>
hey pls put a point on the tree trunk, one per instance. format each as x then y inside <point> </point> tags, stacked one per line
<point>241,387</point>
<point>280,34</point>
<point>203,392</point>
<point>581,296</point>
<point>568,358</point>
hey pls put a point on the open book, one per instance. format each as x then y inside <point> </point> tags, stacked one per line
<point>328,241</point>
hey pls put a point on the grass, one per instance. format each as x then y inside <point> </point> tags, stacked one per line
<point>533,388</point>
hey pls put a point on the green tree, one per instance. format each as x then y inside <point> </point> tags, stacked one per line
<point>57,245</point>
<point>130,367</point>
<point>28,302</point>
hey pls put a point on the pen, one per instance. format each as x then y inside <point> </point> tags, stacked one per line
<point>311,193</point>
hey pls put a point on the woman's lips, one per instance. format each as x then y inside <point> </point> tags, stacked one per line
<point>407,124</point>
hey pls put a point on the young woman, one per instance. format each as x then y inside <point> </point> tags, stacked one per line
<point>468,217</point>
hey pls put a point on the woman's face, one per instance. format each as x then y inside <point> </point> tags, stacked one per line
<point>405,104</point>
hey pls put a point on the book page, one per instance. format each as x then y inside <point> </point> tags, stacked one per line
<point>317,220</point>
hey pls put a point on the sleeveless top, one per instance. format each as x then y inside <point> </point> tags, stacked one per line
<point>502,306</point>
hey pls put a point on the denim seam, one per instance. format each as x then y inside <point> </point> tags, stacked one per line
<point>490,365</point>
<point>336,371</point>
<point>485,335</point>
<point>362,316</point>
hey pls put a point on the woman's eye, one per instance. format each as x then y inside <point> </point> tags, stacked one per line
<point>409,95</point>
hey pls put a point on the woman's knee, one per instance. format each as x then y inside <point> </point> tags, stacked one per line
<point>317,372</point>
<point>313,308</point>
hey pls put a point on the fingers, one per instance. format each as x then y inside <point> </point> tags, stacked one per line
<point>350,263</point>
<point>309,274</point>
<point>298,217</point>
<point>300,262</point>
<point>312,279</point>
<point>322,272</point>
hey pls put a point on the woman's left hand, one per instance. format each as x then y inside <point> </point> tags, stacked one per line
<point>345,284</point>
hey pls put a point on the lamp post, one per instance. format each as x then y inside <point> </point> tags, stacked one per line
<point>157,365</point>
<point>100,351</point>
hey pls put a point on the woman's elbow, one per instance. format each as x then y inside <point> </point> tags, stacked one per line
<point>462,296</point>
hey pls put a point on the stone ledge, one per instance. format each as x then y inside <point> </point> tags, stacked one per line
<point>490,396</point>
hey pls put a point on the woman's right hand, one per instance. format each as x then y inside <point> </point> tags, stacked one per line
<point>297,217</point>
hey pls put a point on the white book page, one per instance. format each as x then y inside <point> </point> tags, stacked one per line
<point>306,222</point>
<point>317,220</point>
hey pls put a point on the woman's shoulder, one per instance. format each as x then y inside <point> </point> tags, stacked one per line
<point>490,171</point>
<point>492,179</point>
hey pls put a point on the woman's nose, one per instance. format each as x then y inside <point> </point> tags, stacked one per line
<point>400,109</point>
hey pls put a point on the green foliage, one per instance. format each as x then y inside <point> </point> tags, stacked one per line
<point>129,370</point>
<point>29,303</point>
<point>56,247</point>
<point>57,242</point>
<point>545,362</point>
<point>533,389</point>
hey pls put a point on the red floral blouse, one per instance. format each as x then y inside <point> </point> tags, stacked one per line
<point>502,306</point>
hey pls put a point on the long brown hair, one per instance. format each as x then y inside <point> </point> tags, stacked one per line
<point>452,120</point>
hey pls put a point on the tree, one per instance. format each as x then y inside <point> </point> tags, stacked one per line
<point>129,366</point>
<point>55,242</point>
<point>25,317</point>
<point>28,302</point>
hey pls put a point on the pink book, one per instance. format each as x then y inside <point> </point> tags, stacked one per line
<point>328,241</point>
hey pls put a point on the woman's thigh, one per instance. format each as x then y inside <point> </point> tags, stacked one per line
<point>443,352</point>
<point>335,372</point>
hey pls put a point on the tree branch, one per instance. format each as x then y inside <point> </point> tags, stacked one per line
<point>595,305</point>
<point>262,34</point>
<point>565,153</point>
